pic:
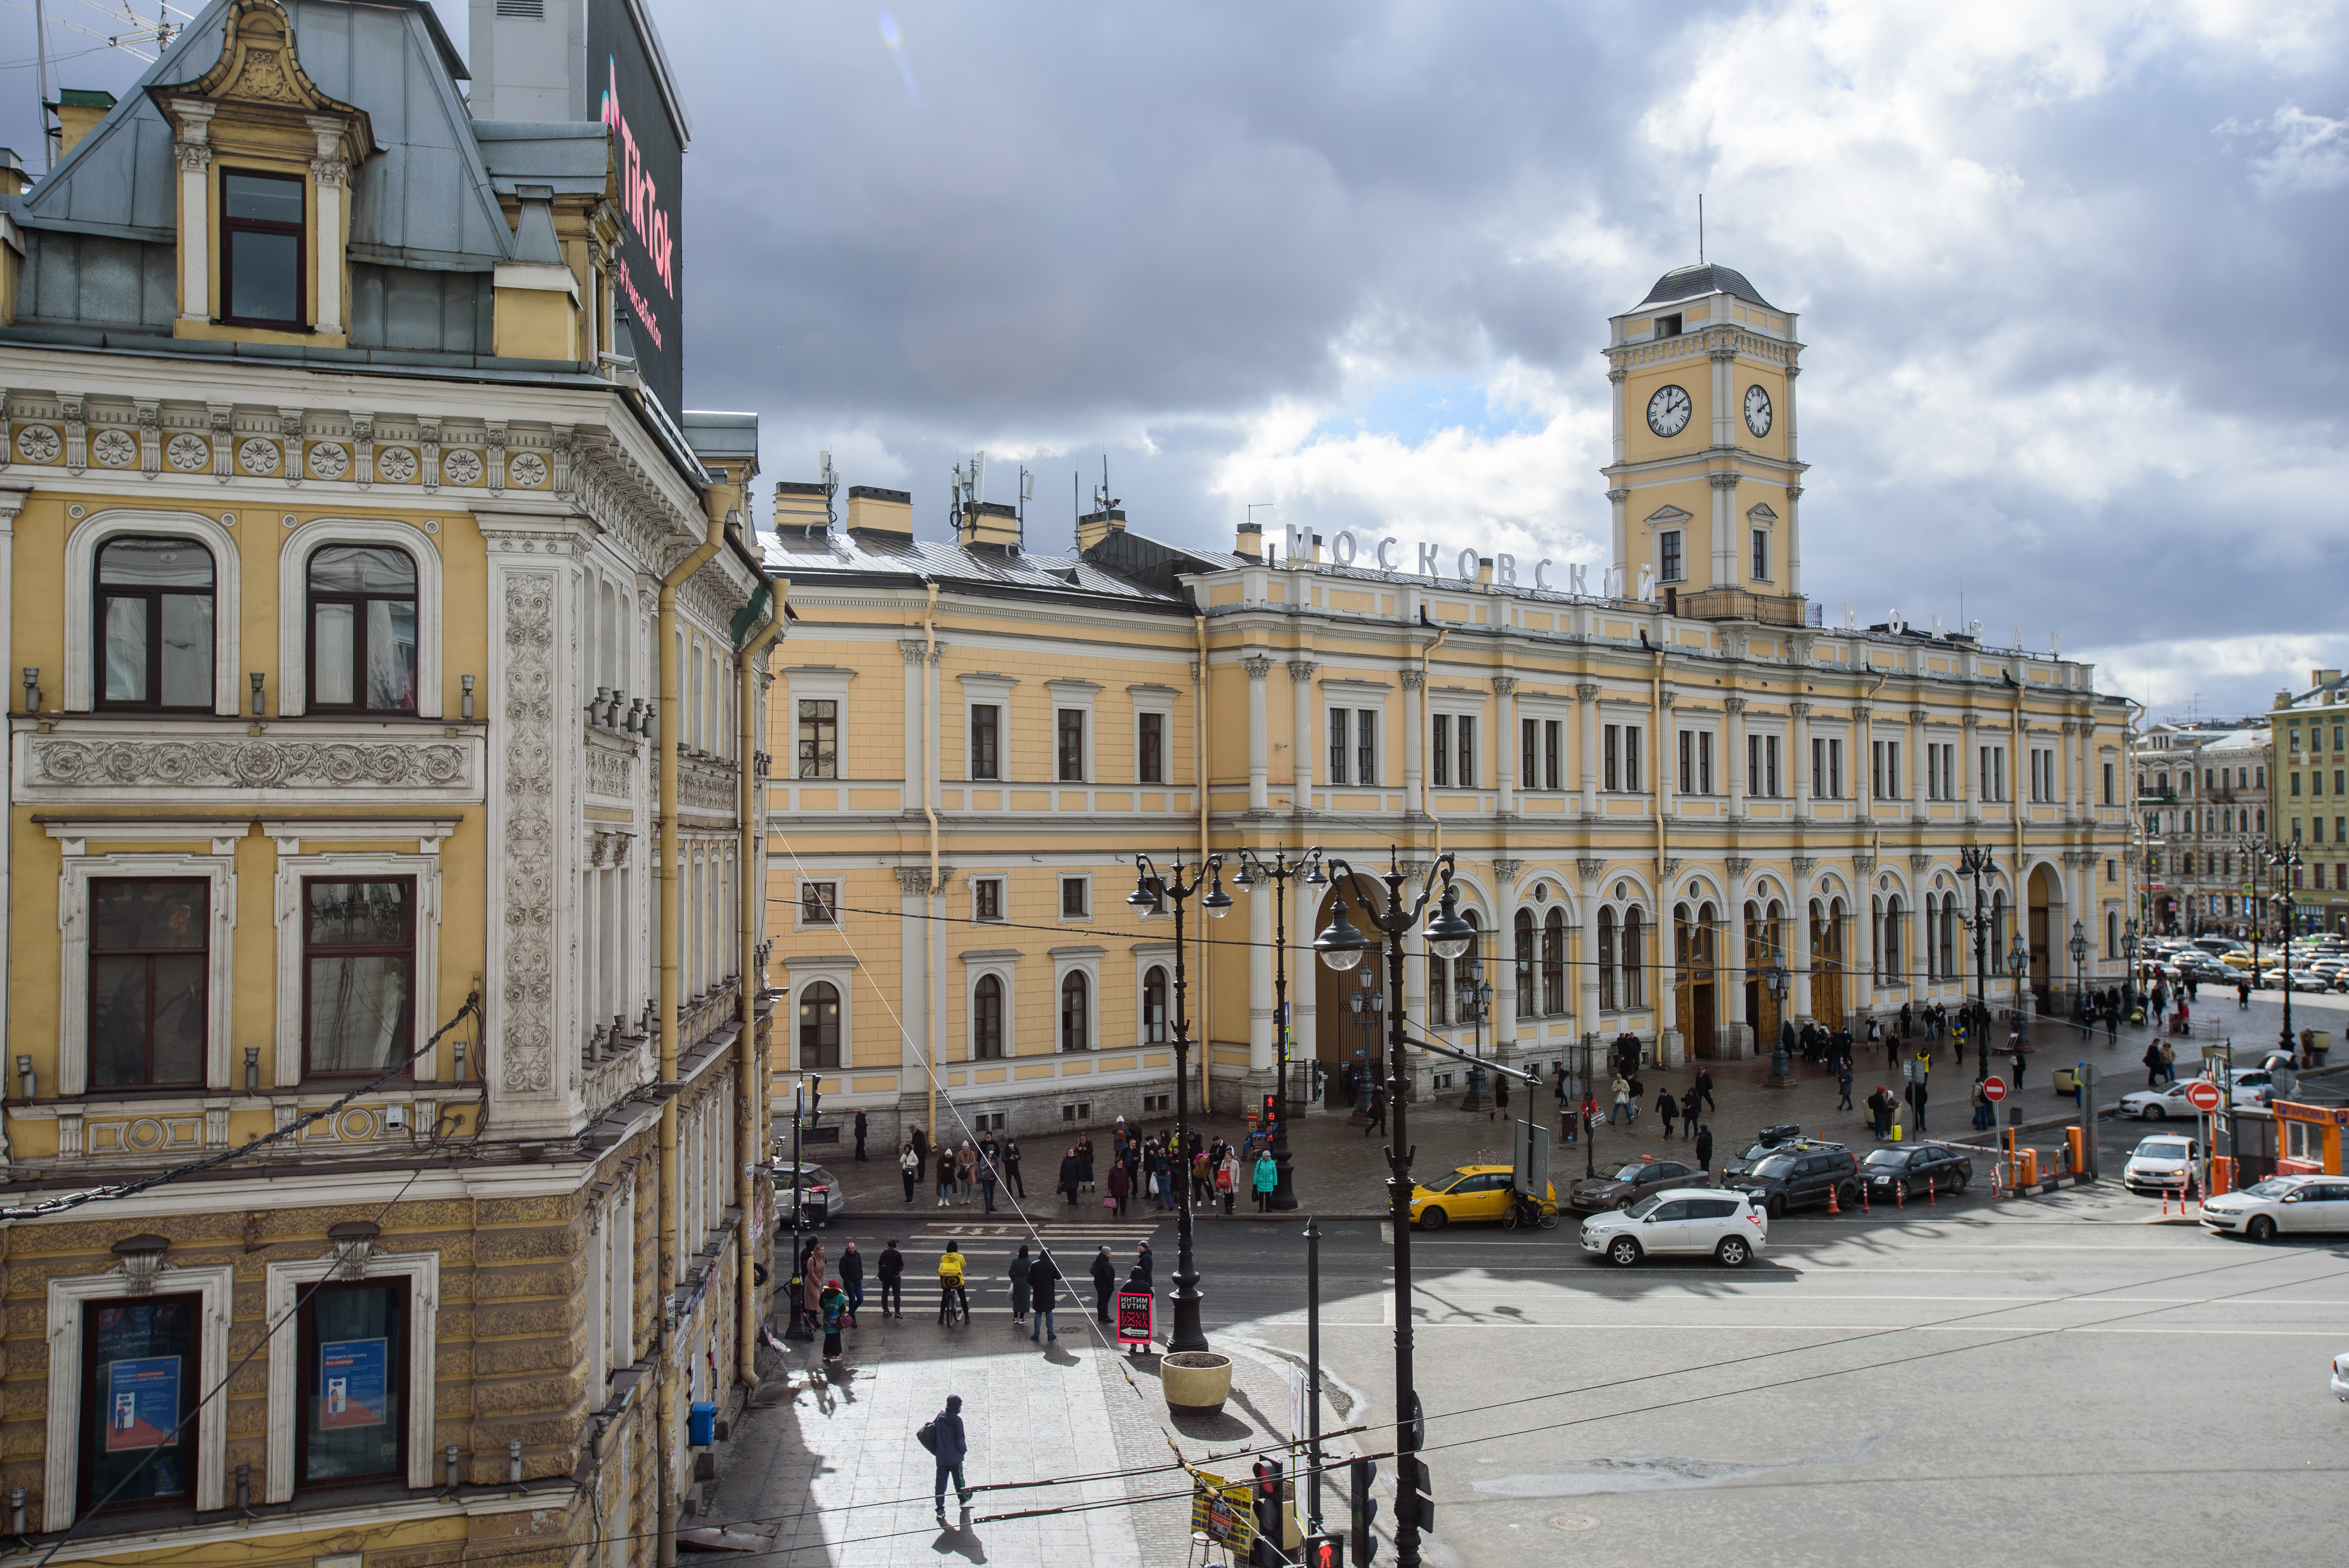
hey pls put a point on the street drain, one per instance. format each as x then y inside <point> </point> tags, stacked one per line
<point>1572,1522</point>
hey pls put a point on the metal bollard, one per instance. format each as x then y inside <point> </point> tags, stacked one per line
<point>514,1460</point>
<point>244,1489</point>
<point>17,1508</point>
<point>448,1456</point>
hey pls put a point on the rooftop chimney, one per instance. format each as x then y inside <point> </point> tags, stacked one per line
<point>880,516</point>
<point>800,509</point>
<point>14,181</point>
<point>1251,542</point>
<point>78,110</point>
<point>991,522</point>
<point>1096,526</point>
<point>2323,677</point>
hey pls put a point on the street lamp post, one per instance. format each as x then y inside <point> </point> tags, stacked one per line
<point>1974,860</point>
<point>2079,977</point>
<point>1254,869</point>
<point>1152,889</point>
<point>1782,1065</point>
<point>1589,1130</point>
<point>2285,858</point>
<point>2018,963</point>
<point>1342,946</point>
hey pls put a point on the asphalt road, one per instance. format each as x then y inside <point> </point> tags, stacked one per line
<point>2041,1381</point>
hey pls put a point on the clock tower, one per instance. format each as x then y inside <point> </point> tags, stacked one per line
<point>1704,483</point>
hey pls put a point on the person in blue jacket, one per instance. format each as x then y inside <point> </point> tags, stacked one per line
<point>953,1448</point>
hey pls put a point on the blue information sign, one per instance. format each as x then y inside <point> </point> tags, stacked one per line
<point>351,1383</point>
<point>142,1403</point>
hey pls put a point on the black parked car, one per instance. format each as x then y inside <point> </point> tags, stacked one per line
<point>1800,1177</point>
<point>1919,1169</point>
<point>1768,1138</point>
<point>1621,1183</point>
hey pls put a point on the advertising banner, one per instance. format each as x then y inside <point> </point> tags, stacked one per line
<point>142,1403</point>
<point>1224,1514</point>
<point>351,1383</point>
<point>649,148</point>
<point>1133,1313</point>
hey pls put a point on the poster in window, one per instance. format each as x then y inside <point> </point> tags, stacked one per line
<point>142,1403</point>
<point>351,1383</point>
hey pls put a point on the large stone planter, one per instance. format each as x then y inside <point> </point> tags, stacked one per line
<point>1196,1382</point>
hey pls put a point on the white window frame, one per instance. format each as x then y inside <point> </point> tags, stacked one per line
<point>424,968</point>
<point>285,1280</point>
<point>1147,955</point>
<point>810,683</point>
<point>840,969</point>
<point>293,606</point>
<point>1635,723</point>
<point>1680,548</point>
<point>799,902</point>
<point>1002,899</point>
<point>1541,712</point>
<point>1059,898</point>
<point>1828,746</point>
<point>985,691</point>
<point>1338,738</point>
<point>1084,960</point>
<point>1705,755</point>
<point>1077,695</point>
<point>1453,707</point>
<point>76,871</point>
<point>81,600</point>
<point>1886,750</point>
<point>1004,964</point>
<point>1765,763</point>
<point>1160,700</point>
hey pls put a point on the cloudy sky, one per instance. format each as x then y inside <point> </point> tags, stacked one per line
<point>2068,272</point>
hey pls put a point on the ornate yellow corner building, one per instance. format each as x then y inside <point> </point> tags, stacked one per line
<point>1658,783</point>
<point>391,656</point>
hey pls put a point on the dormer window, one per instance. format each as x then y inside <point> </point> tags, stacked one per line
<point>1669,325</point>
<point>260,250</point>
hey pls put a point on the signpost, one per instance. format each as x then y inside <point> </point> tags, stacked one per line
<point>2203,1095</point>
<point>1993,1089</point>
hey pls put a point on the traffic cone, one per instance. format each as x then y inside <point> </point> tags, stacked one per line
<point>1900,1194</point>
<point>2165,1202</point>
<point>1863,1199</point>
<point>1832,1207</point>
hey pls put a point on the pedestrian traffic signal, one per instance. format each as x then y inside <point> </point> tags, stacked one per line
<point>1272,1110</point>
<point>1415,1495</point>
<point>1270,1533</point>
<point>1363,1475</point>
<point>1326,1552</point>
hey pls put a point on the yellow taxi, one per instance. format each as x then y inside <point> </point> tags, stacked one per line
<point>1471,1193</point>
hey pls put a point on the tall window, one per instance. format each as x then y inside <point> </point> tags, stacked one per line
<point>1522,931</point>
<point>353,1341</point>
<point>140,1373</point>
<point>1762,766</point>
<point>1553,738</point>
<point>986,1019</point>
<point>1073,902</point>
<point>1337,758</point>
<point>1611,759</point>
<point>985,733</point>
<point>819,737</point>
<point>1553,961</point>
<point>1883,768</point>
<point>1366,745</point>
<point>986,898</point>
<point>1635,986</point>
<point>1467,731</point>
<point>1150,748</point>
<point>1696,762</point>
<point>358,965</point>
<point>148,981</point>
<point>2108,783</point>
<point>155,624</point>
<point>1439,750</point>
<point>1528,754</point>
<point>1076,1018</point>
<point>1068,732</point>
<point>362,628</point>
<point>1826,769</point>
<point>1668,567</point>
<point>819,904</point>
<point>1761,555</point>
<point>1607,961</point>
<point>260,250</point>
<point>1154,1006</point>
<point>819,1025</point>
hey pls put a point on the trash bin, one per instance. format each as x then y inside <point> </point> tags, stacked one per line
<point>701,1424</point>
<point>2064,1084</point>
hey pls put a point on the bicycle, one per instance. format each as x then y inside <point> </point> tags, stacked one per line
<point>954,1305</point>
<point>1524,1211</point>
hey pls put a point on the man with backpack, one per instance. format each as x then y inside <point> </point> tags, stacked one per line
<point>944,1437</point>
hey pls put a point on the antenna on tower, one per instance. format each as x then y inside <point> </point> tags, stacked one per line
<point>826,477</point>
<point>1027,494</point>
<point>1700,228</point>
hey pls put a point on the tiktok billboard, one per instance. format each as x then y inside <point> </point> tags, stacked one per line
<point>648,144</point>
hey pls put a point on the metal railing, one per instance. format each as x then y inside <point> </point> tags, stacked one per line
<point>1740,604</point>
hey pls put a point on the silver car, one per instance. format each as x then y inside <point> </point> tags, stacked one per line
<point>2301,1204</point>
<point>1684,1220</point>
<point>2163,1163</point>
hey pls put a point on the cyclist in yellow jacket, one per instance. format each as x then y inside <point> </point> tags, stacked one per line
<point>950,1285</point>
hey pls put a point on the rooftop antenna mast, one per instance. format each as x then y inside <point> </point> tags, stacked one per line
<point>1102,499</point>
<point>1700,228</point>
<point>41,60</point>
<point>830,479</point>
<point>1027,494</point>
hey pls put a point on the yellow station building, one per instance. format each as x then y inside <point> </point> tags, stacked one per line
<point>1658,779</point>
<point>385,637</point>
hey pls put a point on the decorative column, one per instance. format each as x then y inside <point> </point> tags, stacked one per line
<point>1794,545</point>
<point>1303,1043</point>
<point>1798,715</point>
<point>1738,1041</point>
<point>1917,809</point>
<point>1863,730</point>
<point>1588,694</point>
<point>1863,921</point>
<point>1799,918</point>
<point>1913,965</point>
<point>1733,741</point>
<point>1671,1049</point>
<point>330,175</point>
<point>1414,744</point>
<point>1260,739</point>
<point>1724,524</point>
<point>1415,962</point>
<point>917,766</point>
<point>913,996</point>
<point>1505,742</point>
<point>1301,733</point>
<point>1969,768</point>
<point>194,153</point>
<point>1588,870</point>
<point>2071,740</point>
<point>1263,1039</point>
<point>1501,967</point>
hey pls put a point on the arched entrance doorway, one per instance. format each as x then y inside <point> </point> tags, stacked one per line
<point>2042,891</point>
<point>1694,1004</point>
<point>1350,1005</point>
<point>1766,935</point>
<point>1826,963</point>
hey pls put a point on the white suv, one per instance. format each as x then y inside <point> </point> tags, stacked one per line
<point>2296,1204</point>
<point>1699,1220</point>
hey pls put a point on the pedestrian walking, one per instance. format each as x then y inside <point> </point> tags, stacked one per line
<point>950,1283</point>
<point>1044,1284</point>
<point>812,1278</point>
<point>832,1306</point>
<point>952,1447</point>
<point>1268,1176</point>
<point>921,1142</point>
<point>1085,1160</point>
<point>1146,1264</point>
<point>1500,1097</point>
<point>2169,1059</point>
<point>1704,1090</point>
<point>862,1127</point>
<point>2112,1024</point>
<point>1623,1105</point>
<point>1018,1275</point>
<point>2153,1063</point>
<point>1378,1112</point>
<point>851,1279</point>
<point>910,1164</point>
<point>890,1272</point>
<point>987,1178</point>
<point>1687,1113</point>
<point>1843,1085</point>
<point>1071,1175</point>
<point>1982,1113</point>
<point>1667,1110</point>
<point>1120,1184</point>
<point>1704,1147</point>
<point>1012,1168</point>
<point>1227,1180</point>
<point>1104,1275</point>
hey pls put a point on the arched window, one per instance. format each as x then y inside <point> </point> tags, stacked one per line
<point>1076,1022</point>
<point>1895,967</point>
<point>1950,936</point>
<point>1468,970</point>
<point>1635,985</point>
<point>2112,933</point>
<point>986,1019</point>
<point>1553,976</point>
<point>155,625</point>
<point>819,1025</point>
<point>362,629</point>
<point>1524,929</point>
<point>1607,961</point>
<point>1154,1006</point>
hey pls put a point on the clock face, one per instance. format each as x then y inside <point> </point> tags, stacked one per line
<point>1757,410</point>
<point>1669,411</point>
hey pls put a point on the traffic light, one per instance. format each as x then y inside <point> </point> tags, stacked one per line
<point>1363,1474</point>
<point>1326,1552</point>
<point>1267,1549</point>
<point>1415,1495</point>
<point>1272,1110</point>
